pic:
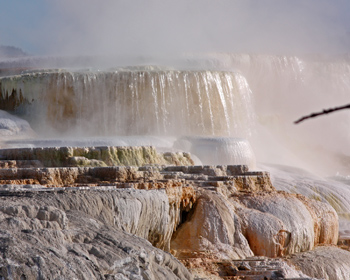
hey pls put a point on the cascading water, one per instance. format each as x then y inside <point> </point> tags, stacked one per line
<point>134,102</point>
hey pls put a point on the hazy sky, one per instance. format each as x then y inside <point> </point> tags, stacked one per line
<point>151,27</point>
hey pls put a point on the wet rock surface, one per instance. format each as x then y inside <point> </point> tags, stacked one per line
<point>252,268</point>
<point>12,127</point>
<point>272,231</point>
<point>96,156</point>
<point>323,262</point>
<point>45,242</point>
<point>122,222</point>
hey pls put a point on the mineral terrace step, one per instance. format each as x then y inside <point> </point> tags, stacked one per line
<point>261,268</point>
<point>210,170</point>
<point>253,268</point>
<point>97,156</point>
<point>20,163</point>
<point>60,176</point>
<point>30,190</point>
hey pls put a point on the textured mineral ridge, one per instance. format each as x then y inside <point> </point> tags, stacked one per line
<point>71,213</point>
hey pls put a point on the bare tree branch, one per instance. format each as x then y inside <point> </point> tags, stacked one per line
<point>324,112</point>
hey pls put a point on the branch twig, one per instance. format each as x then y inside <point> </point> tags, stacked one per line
<point>324,112</point>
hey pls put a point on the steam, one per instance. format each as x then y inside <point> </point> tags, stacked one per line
<point>165,28</point>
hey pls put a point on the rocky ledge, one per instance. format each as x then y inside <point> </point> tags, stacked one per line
<point>156,221</point>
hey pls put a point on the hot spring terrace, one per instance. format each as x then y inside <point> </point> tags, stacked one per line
<point>230,219</point>
<point>135,167</point>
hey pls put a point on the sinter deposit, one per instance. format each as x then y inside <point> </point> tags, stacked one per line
<point>113,222</point>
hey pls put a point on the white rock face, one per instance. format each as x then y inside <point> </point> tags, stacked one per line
<point>296,180</point>
<point>278,224</point>
<point>263,223</point>
<point>325,262</point>
<point>145,213</point>
<point>212,227</point>
<point>86,235</point>
<point>13,127</point>
<point>135,213</point>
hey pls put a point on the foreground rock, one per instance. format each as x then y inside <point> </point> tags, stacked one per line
<point>92,233</point>
<point>268,223</point>
<point>330,263</point>
<point>273,231</point>
<point>253,268</point>
<point>84,235</point>
<point>94,221</point>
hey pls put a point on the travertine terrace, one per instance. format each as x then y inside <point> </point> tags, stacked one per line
<point>89,213</point>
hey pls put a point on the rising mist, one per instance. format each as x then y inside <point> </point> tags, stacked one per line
<point>165,28</point>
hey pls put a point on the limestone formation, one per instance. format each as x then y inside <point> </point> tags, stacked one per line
<point>84,235</point>
<point>12,127</point>
<point>325,262</point>
<point>96,156</point>
<point>278,224</point>
<point>112,222</point>
<point>263,223</point>
<point>252,268</point>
